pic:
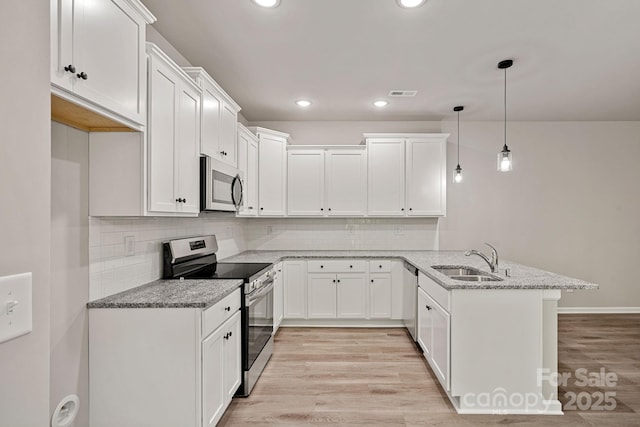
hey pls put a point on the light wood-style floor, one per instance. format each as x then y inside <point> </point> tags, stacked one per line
<point>366,377</point>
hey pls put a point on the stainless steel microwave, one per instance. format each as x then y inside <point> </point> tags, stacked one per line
<point>220,186</point>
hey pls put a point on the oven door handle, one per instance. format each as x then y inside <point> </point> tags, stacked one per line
<point>255,296</point>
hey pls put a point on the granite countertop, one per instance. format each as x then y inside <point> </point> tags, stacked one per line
<point>521,276</point>
<point>170,294</point>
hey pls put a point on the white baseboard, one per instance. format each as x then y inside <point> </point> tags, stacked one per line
<point>598,310</point>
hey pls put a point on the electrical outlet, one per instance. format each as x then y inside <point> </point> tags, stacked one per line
<point>269,230</point>
<point>129,245</point>
<point>398,230</point>
<point>350,229</point>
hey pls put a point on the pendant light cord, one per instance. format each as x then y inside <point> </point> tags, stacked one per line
<point>505,107</point>
<point>458,138</point>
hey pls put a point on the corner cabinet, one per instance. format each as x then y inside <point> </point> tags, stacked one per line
<point>407,174</point>
<point>248,166</point>
<point>98,56</point>
<point>219,118</point>
<point>272,172</point>
<point>164,366</point>
<point>173,137</point>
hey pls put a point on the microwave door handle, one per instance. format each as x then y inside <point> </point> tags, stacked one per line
<point>236,182</point>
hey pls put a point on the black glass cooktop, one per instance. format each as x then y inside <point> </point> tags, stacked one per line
<point>228,270</point>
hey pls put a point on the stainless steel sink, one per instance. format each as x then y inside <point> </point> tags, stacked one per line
<point>466,274</point>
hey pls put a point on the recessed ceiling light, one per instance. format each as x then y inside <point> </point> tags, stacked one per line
<point>303,103</point>
<point>267,3</point>
<point>381,103</point>
<point>410,3</point>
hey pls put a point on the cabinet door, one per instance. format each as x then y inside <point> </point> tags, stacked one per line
<point>272,176</point>
<point>252,178</point>
<point>161,137</point>
<point>232,356</point>
<point>278,298</point>
<point>187,151</point>
<point>321,296</point>
<point>108,46</point>
<point>426,176</point>
<point>229,123</point>
<point>213,367</point>
<point>305,189</point>
<point>295,289</point>
<point>352,296</point>
<point>386,176</point>
<point>380,296</point>
<point>346,182</point>
<point>62,43</point>
<point>441,342</point>
<point>425,323</point>
<point>211,121</point>
<point>243,147</point>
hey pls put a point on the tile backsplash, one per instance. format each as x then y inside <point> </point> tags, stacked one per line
<point>112,271</point>
<point>342,234</point>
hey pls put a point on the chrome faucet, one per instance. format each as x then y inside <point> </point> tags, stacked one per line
<point>493,262</point>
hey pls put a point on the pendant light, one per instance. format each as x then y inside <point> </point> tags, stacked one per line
<point>505,159</point>
<point>457,172</point>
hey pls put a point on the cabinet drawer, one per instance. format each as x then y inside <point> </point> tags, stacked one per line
<point>216,315</point>
<point>337,266</point>
<point>435,291</point>
<point>379,266</point>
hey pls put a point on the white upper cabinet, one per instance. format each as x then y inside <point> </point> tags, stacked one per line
<point>426,160</point>
<point>173,137</point>
<point>346,182</point>
<point>98,56</point>
<point>272,172</point>
<point>407,174</point>
<point>248,165</point>
<point>219,119</point>
<point>326,181</point>
<point>305,189</point>
<point>386,176</point>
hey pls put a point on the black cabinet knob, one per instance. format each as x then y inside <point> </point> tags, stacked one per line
<point>380,266</point>
<point>70,68</point>
<point>338,280</point>
<point>371,280</point>
<point>184,200</point>
<point>402,209</point>
<point>329,208</point>
<point>410,209</point>
<point>227,309</point>
<point>230,333</point>
<point>321,209</point>
<point>334,280</point>
<point>428,307</point>
<point>322,266</point>
<point>226,337</point>
<point>82,76</point>
<point>261,209</point>
<point>351,266</point>
<point>251,207</point>
<point>178,200</point>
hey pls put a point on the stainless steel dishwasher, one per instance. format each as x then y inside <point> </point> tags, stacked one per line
<point>410,299</point>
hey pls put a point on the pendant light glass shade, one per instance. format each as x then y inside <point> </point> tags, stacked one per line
<point>505,158</point>
<point>457,172</point>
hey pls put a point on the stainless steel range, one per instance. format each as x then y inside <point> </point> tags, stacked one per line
<point>195,258</point>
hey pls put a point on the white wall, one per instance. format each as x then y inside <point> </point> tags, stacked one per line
<point>69,267</point>
<point>570,205</point>
<point>25,207</point>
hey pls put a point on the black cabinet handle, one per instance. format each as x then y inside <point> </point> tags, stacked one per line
<point>70,68</point>
<point>178,200</point>
<point>82,76</point>
<point>184,200</point>
<point>428,307</point>
<point>226,337</point>
<point>230,333</point>
<point>227,309</point>
<point>181,200</point>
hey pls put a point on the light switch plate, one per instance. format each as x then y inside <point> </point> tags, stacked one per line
<point>15,306</point>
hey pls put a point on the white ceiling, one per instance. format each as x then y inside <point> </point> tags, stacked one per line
<point>573,59</point>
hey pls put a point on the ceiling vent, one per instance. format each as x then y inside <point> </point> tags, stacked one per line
<point>403,93</point>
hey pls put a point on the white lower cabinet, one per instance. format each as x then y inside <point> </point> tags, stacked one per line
<point>164,367</point>
<point>380,296</point>
<point>321,296</point>
<point>221,369</point>
<point>351,296</point>
<point>278,297</point>
<point>434,336</point>
<point>295,289</point>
